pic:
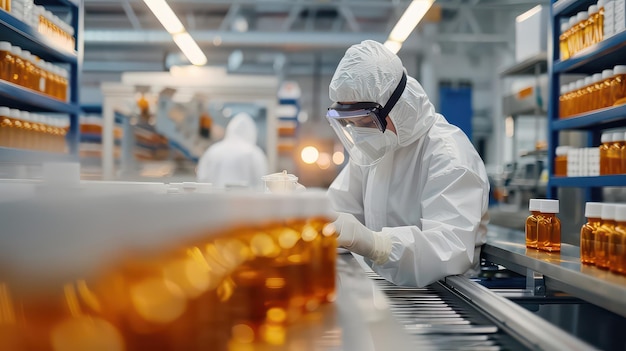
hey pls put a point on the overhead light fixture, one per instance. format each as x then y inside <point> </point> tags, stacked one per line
<point>190,48</point>
<point>407,23</point>
<point>394,46</point>
<point>172,25</point>
<point>165,15</point>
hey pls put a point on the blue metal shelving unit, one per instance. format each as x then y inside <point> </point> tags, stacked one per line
<point>594,59</point>
<point>18,33</point>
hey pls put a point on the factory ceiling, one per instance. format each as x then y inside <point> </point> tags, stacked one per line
<point>265,36</point>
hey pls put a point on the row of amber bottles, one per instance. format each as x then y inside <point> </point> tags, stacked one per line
<point>54,28</point>
<point>582,30</point>
<point>45,22</point>
<point>30,131</point>
<point>239,289</point>
<point>603,237</point>
<point>613,153</point>
<point>598,91</point>
<point>20,67</point>
<point>543,227</point>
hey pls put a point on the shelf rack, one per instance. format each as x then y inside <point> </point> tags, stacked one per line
<point>593,59</point>
<point>19,33</point>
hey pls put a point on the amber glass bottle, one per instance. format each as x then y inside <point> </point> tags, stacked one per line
<point>617,250</point>
<point>531,223</point>
<point>603,234</point>
<point>549,227</point>
<point>593,212</point>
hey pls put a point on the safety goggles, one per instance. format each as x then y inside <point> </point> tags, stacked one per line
<point>360,114</point>
<point>365,114</point>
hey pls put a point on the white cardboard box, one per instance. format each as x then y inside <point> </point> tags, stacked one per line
<point>531,33</point>
<point>609,19</point>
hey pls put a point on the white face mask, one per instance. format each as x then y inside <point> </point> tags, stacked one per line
<point>370,145</point>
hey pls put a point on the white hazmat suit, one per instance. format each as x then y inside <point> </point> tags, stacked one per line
<point>236,160</point>
<point>420,213</point>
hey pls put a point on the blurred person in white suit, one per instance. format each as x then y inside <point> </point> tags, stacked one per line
<point>413,198</point>
<point>236,160</point>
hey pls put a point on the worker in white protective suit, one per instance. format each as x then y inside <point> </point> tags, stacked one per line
<point>413,198</point>
<point>236,160</point>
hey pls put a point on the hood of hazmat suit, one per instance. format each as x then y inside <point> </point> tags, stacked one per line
<point>236,160</point>
<point>429,195</point>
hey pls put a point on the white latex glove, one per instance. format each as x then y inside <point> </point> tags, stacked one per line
<point>357,238</point>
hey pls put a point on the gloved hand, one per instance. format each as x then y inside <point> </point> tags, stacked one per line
<point>357,238</point>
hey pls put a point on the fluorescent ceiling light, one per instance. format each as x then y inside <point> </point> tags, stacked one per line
<point>394,46</point>
<point>409,20</point>
<point>165,15</point>
<point>189,47</point>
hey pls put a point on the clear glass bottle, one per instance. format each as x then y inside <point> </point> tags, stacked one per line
<point>603,234</point>
<point>6,60</point>
<point>605,89</point>
<point>593,212</point>
<point>615,153</point>
<point>531,223</point>
<point>617,242</point>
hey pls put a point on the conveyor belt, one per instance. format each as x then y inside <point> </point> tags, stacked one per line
<point>438,319</point>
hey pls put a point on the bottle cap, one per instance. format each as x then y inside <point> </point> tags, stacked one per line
<point>534,205</point>
<point>572,86</point>
<point>619,69</point>
<point>5,46</point>
<point>600,3</point>
<point>572,21</point>
<point>617,136</point>
<point>581,16</point>
<point>25,116</point>
<point>15,113</point>
<point>564,27</point>
<point>607,73</point>
<point>5,111</point>
<point>562,150</point>
<point>549,206</point>
<point>564,88</point>
<point>620,213</point>
<point>16,50</point>
<point>593,209</point>
<point>580,83</point>
<point>597,77</point>
<point>606,137</point>
<point>608,211</point>
<point>592,9</point>
<point>587,80</point>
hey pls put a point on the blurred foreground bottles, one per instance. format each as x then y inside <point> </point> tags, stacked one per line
<point>176,272</point>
